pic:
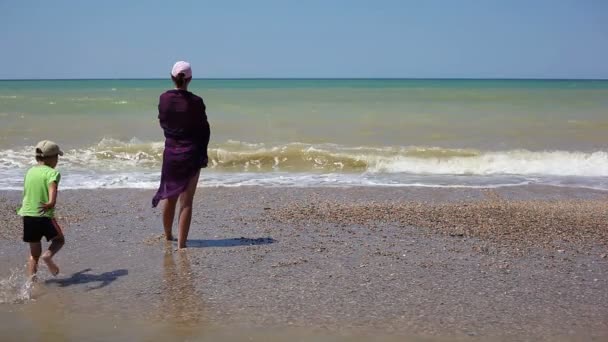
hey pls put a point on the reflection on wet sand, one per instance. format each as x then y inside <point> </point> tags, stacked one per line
<point>181,305</point>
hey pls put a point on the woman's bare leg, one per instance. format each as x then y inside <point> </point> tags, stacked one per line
<point>168,216</point>
<point>185,211</point>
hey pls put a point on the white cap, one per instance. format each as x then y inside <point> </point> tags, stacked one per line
<point>182,67</point>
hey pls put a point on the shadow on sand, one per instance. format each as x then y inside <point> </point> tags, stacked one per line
<point>82,277</point>
<point>230,242</point>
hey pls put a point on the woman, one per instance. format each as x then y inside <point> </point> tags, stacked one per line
<point>184,122</point>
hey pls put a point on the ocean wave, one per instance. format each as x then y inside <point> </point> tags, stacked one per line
<point>518,162</point>
<point>235,156</point>
<point>150,180</point>
<point>411,160</point>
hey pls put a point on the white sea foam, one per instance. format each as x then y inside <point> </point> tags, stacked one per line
<point>556,163</point>
<point>136,164</point>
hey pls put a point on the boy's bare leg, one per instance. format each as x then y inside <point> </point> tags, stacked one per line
<point>47,257</point>
<point>168,216</point>
<point>32,263</point>
<point>185,211</point>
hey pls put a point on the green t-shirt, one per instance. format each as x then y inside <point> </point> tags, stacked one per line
<point>36,190</point>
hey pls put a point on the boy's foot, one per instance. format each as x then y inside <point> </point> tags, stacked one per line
<point>32,266</point>
<point>48,260</point>
<point>170,238</point>
<point>33,278</point>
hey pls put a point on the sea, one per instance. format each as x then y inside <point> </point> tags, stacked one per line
<point>318,132</point>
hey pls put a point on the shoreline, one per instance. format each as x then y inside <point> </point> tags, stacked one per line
<point>441,263</point>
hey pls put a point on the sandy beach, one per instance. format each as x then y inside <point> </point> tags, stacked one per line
<point>514,263</point>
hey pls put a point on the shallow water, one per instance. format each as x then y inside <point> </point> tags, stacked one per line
<point>16,288</point>
<point>68,308</point>
<point>245,277</point>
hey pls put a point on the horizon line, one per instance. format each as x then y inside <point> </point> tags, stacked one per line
<point>314,78</point>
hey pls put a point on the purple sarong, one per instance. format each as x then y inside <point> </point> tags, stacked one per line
<point>184,121</point>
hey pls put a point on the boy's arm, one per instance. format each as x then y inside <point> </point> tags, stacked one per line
<point>52,198</point>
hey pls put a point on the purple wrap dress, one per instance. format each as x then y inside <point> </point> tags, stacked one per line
<point>183,119</point>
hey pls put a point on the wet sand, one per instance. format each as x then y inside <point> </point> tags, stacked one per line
<point>520,263</point>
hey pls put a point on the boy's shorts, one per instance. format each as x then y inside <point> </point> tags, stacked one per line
<point>34,228</point>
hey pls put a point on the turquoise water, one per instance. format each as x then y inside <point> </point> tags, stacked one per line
<point>305,132</point>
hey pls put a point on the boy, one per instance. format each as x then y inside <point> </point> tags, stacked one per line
<point>37,209</point>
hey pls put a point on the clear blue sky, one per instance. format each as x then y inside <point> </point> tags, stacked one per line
<point>305,38</point>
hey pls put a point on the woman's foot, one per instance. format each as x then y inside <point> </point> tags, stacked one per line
<point>48,260</point>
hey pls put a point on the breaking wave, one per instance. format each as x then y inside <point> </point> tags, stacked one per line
<point>114,163</point>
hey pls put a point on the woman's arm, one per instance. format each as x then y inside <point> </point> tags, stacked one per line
<point>204,135</point>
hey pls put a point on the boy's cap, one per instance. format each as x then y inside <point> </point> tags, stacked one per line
<point>47,148</point>
<point>181,67</point>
